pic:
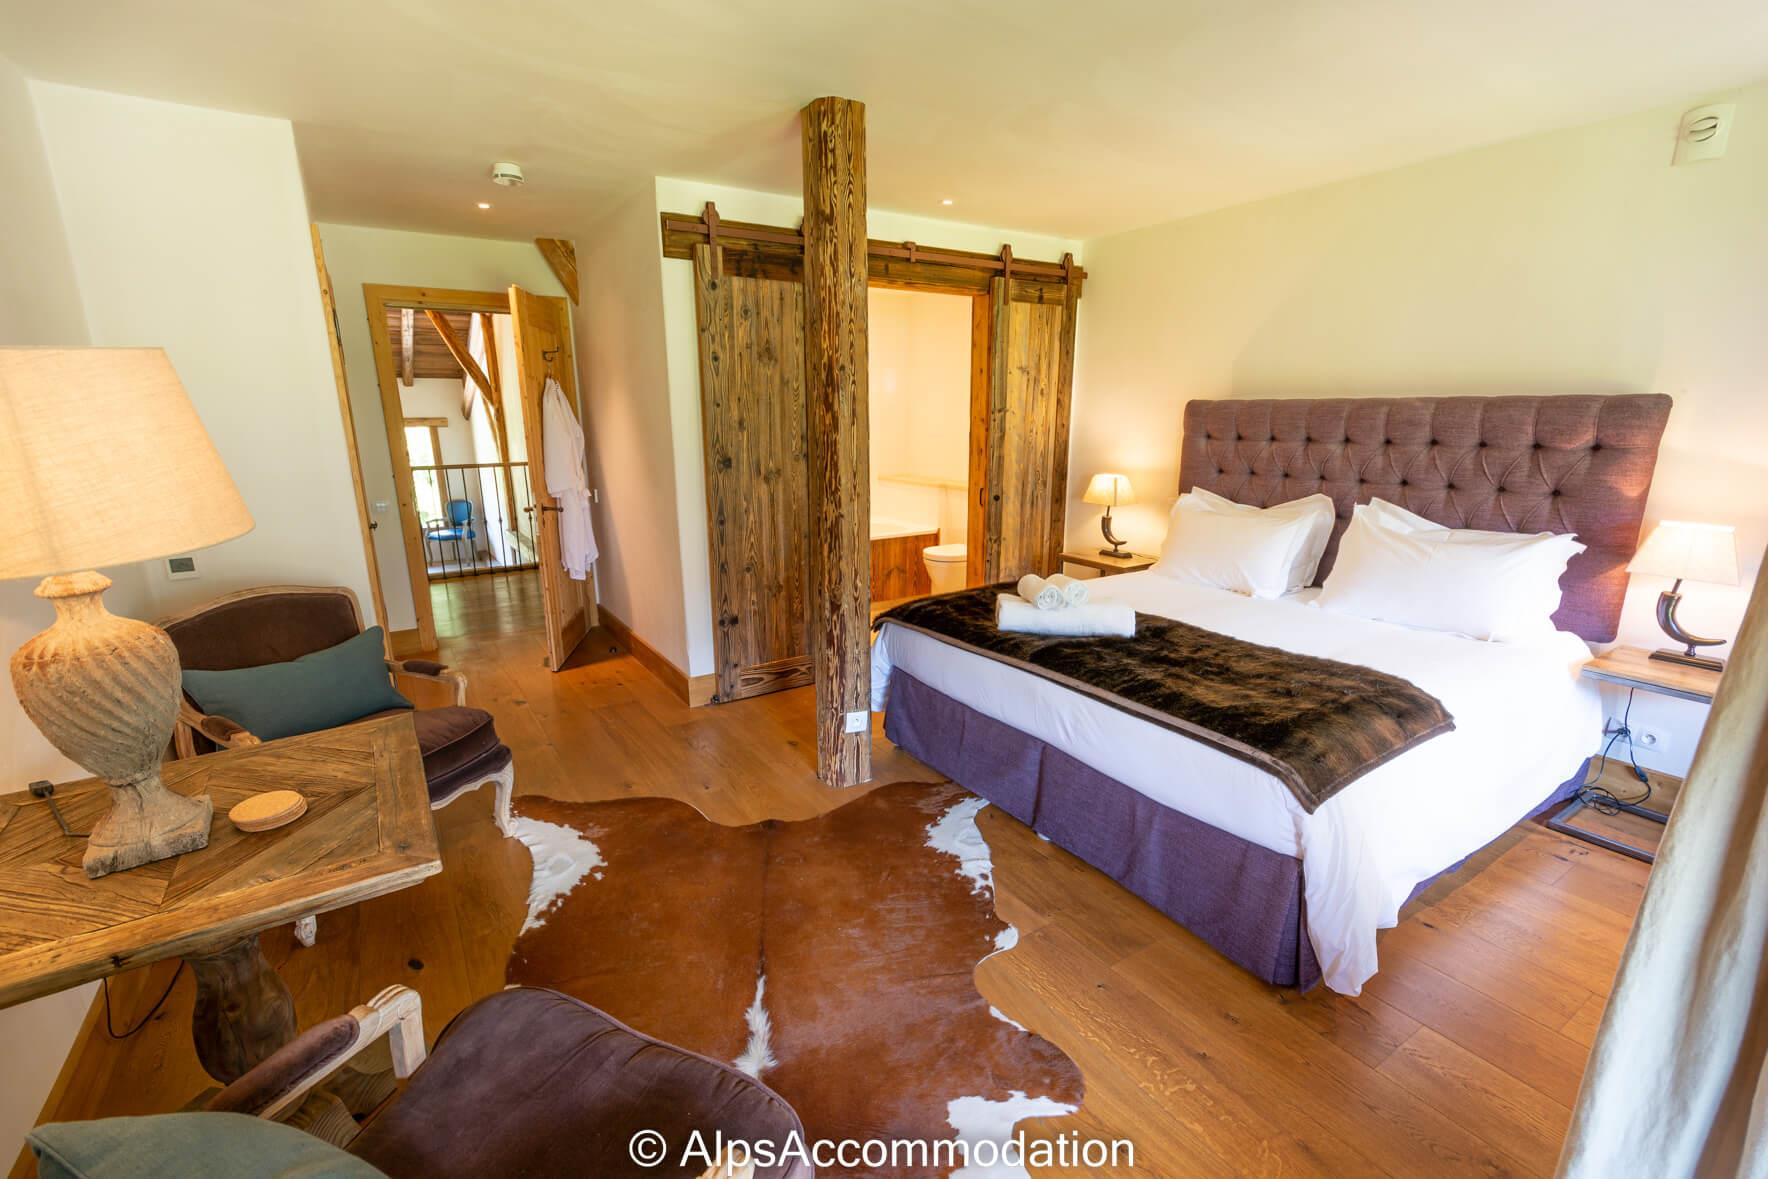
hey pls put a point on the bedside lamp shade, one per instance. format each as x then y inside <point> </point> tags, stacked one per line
<point>103,462</point>
<point>1111,490</point>
<point>1689,552</point>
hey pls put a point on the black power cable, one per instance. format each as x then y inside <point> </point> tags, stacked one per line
<point>1604,800</point>
<point>110,1027</point>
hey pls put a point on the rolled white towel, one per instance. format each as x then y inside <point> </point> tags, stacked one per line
<point>1041,593</point>
<point>1073,592</point>
<point>1100,618</point>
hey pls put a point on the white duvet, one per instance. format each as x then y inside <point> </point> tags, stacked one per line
<point>1524,721</point>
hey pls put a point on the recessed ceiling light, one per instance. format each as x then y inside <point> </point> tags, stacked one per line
<point>484,204</point>
<point>946,201</point>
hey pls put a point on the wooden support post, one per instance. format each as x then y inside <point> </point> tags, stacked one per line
<point>835,364</point>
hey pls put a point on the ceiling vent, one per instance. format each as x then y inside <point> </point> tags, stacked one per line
<point>1704,132</point>
<point>507,174</point>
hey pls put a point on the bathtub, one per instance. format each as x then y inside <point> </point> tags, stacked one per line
<point>886,528</point>
<point>897,568</point>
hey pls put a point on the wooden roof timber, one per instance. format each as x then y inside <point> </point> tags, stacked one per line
<point>771,251</point>
<point>458,349</point>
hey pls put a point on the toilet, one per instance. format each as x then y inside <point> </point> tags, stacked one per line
<point>946,565</point>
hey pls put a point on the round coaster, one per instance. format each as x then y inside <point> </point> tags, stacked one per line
<point>273,808</point>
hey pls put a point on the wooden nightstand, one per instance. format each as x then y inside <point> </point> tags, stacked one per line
<point>1106,565</point>
<point>1634,669</point>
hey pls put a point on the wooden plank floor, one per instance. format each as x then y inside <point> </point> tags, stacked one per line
<point>1461,1057</point>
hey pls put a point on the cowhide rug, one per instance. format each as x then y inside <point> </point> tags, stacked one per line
<point>832,957</point>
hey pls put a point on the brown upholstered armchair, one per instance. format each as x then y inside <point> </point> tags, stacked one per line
<point>278,623</point>
<point>523,1082</point>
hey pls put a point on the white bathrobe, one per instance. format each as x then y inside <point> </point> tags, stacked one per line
<point>566,479</point>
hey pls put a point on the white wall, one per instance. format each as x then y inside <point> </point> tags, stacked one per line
<point>188,230</point>
<point>355,255</point>
<point>919,349</point>
<point>628,403</point>
<point>1574,262</point>
<point>681,335</point>
<point>39,304</point>
<point>439,397</point>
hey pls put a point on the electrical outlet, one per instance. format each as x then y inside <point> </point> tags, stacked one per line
<point>1655,740</point>
<point>859,722</point>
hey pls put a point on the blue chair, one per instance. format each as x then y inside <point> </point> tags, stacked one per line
<point>457,528</point>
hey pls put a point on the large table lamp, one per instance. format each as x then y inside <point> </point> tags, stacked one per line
<point>1687,552</point>
<point>103,461</point>
<point>1113,491</point>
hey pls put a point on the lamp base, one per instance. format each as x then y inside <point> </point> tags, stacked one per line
<point>1704,662</point>
<point>104,690</point>
<point>146,822</point>
<point>1119,551</point>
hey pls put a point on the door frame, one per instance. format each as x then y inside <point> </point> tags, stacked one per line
<point>377,298</point>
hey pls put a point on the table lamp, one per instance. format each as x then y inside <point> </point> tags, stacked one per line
<point>103,461</point>
<point>1112,491</point>
<point>1687,552</point>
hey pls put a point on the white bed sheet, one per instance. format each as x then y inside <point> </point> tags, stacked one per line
<point>1524,721</point>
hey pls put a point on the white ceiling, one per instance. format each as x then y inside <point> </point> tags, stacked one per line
<point>1051,115</point>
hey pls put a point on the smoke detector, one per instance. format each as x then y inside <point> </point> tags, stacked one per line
<point>507,174</point>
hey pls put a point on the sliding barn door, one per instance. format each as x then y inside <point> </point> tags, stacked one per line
<point>757,474</point>
<point>542,326</point>
<point>1021,380</point>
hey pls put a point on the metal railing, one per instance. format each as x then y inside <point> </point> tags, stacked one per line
<point>475,518</point>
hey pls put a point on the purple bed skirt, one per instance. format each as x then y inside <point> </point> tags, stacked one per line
<point>1245,900</point>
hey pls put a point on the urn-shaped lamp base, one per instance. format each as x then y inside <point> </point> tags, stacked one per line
<point>105,691</point>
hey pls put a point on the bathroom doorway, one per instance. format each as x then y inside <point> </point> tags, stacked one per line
<point>919,345</point>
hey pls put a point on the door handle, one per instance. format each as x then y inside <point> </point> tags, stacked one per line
<point>549,508</point>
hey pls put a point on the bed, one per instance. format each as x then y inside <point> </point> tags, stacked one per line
<point>1218,844</point>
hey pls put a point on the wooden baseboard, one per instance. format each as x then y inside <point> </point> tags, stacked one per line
<point>406,643</point>
<point>692,690</point>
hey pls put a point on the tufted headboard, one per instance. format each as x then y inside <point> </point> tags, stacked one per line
<point>1506,464</point>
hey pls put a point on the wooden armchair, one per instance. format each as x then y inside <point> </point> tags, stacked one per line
<point>276,624</point>
<point>523,1082</point>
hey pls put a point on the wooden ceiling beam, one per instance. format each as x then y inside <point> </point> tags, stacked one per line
<point>561,255</point>
<point>407,346</point>
<point>752,250</point>
<point>457,348</point>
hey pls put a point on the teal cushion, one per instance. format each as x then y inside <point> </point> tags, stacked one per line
<point>319,691</point>
<point>192,1145</point>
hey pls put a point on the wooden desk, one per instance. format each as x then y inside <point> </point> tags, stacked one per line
<point>367,831</point>
<point>1107,564</point>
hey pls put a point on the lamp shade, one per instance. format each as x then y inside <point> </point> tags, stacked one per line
<point>1693,552</point>
<point>103,461</point>
<point>1111,490</point>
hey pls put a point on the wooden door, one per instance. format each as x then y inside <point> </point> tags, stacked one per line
<point>757,476</point>
<point>1021,382</point>
<point>542,329</point>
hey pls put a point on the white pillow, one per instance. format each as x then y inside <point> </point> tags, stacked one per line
<point>1397,519</point>
<point>1316,508</point>
<point>1247,554</point>
<point>1486,585</point>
